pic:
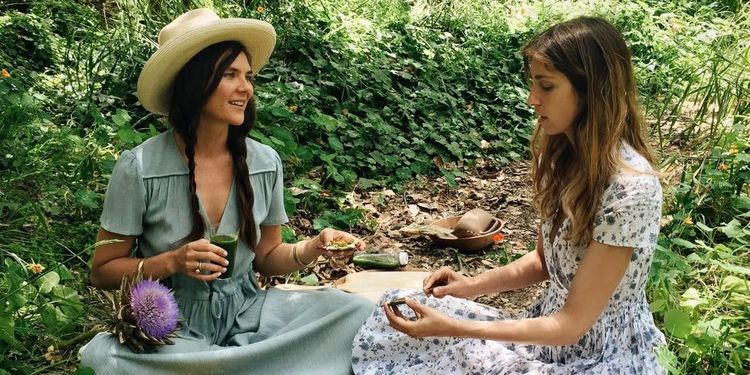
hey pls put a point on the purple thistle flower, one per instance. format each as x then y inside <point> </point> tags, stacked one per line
<point>154,307</point>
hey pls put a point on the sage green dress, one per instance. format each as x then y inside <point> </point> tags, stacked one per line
<point>230,326</point>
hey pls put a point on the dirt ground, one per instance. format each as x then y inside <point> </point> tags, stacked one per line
<point>504,192</point>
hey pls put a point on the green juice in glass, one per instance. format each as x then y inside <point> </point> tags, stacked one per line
<point>228,243</point>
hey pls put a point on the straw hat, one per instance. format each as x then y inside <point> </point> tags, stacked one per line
<point>187,35</point>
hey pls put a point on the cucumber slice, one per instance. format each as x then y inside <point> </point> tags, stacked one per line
<point>377,261</point>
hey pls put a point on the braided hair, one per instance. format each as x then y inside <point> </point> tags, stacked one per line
<point>193,86</point>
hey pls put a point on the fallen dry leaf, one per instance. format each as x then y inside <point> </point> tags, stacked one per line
<point>504,192</point>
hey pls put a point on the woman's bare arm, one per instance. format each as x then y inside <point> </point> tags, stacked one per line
<point>527,270</point>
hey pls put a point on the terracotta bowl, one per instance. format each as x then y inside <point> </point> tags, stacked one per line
<point>467,244</point>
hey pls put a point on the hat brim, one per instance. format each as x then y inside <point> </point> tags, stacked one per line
<point>158,74</point>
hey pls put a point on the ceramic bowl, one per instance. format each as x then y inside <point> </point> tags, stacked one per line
<point>467,244</point>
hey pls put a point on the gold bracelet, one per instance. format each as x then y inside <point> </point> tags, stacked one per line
<point>140,266</point>
<point>295,255</point>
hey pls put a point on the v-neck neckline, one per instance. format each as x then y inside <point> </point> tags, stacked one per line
<point>201,208</point>
<point>213,230</point>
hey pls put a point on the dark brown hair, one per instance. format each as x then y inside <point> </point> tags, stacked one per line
<point>193,86</point>
<point>570,176</point>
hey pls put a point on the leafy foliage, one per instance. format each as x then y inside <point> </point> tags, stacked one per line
<point>33,48</point>
<point>700,276</point>
<point>35,301</point>
<point>384,100</point>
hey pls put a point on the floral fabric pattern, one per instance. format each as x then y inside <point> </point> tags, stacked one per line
<point>621,341</point>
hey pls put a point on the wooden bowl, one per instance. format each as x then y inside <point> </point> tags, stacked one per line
<point>467,244</point>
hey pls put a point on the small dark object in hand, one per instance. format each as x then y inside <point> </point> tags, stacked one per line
<point>397,301</point>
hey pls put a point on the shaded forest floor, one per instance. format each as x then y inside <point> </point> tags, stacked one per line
<point>504,192</point>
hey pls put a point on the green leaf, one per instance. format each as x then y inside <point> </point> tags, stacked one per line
<point>53,318</point>
<point>64,272</point>
<point>48,281</point>
<point>712,328</point>
<point>129,136</point>
<point>450,178</point>
<point>337,177</point>
<point>736,284</point>
<point>733,229</point>
<point>667,359</point>
<point>692,298</point>
<point>87,198</point>
<point>65,293</point>
<point>335,143</point>
<point>658,305</point>
<point>85,371</point>
<point>732,267</point>
<point>694,258</point>
<point>455,149</point>
<point>684,243</point>
<point>287,234</point>
<point>284,135</point>
<point>14,267</point>
<point>742,202</point>
<point>260,137</point>
<point>276,141</point>
<point>366,183</point>
<point>310,279</point>
<point>14,278</point>
<point>7,330</point>
<point>279,111</point>
<point>320,223</point>
<point>722,249</point>
<point>327,122</point>
<point>18,299</point>
<point>152,131</point>
<point>677,323</point>
<point>121,118</point>
<point>704,227</point>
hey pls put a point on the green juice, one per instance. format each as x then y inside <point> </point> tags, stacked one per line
<point>228,243</point>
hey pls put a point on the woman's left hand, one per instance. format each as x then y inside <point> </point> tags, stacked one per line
<point>329,235</point>
<point>429,322</point>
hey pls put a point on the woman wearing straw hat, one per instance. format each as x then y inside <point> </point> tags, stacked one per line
<point>202,177</point>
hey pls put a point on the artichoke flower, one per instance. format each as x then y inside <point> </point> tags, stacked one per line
<point>145,314</point>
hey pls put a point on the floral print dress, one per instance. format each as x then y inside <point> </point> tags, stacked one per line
<point>621,341</point>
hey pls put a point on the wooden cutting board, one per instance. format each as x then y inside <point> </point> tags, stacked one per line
<point>371,284</point>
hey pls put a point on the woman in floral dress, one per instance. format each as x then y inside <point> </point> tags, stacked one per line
<point>599,200</point>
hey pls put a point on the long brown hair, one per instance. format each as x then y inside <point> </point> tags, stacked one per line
<point>570,176</point>
<point>193,86</point>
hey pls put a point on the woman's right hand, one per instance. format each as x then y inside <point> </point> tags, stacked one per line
<point>196,257</point>
<point>447,282</point>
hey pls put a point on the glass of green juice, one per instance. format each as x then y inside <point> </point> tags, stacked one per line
<point>227,242</point>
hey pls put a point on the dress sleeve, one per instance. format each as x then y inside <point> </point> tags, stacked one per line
<point>630,212</point>
<point>276,212</point>
<point>125,201</point>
